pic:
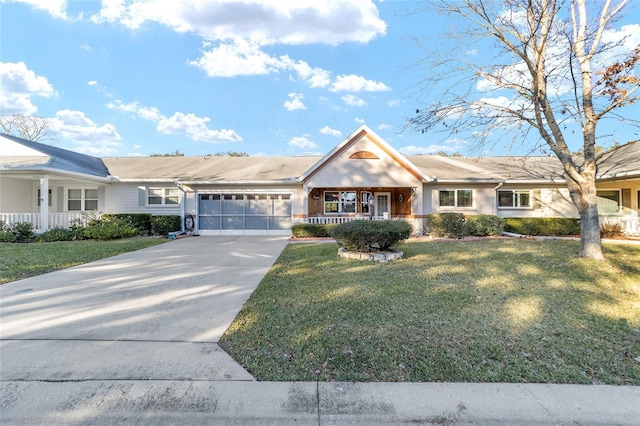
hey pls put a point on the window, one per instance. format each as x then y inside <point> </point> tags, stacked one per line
<point>163,196</point>
<point>364,201</point>
<point>82,199</point>
<point>340,202</point>
<point>40,197</point>
<point>456,198</point>
<point>608,201</point>
<point>520,199</point>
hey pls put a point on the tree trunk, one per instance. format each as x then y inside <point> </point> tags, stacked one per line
<point>584,197</point>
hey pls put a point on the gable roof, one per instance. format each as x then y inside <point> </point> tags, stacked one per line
<point>35,156</point>
<point>353,138</point>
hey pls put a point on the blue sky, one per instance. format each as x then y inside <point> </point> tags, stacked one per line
<point>133,78</point>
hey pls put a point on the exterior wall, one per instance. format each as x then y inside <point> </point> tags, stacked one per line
<point>132,198</point>
<point>345,172</point>
<point>14,197</point>
<point>548,201</point>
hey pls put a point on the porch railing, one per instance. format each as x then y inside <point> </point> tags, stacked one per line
<point>629,222</point>
<point>323,220</point>
<point>56,220</point>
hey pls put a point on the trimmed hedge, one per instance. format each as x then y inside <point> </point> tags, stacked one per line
<point>311,230</point>
<point>542,226</point>
<point>371,235</point>
<point>450,225</point>
<point>109,228</point>
<point>58,234</point>
<point>482,225</point>
<point>162,225</point>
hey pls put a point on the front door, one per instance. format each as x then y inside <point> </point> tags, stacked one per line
<point>383,205</point>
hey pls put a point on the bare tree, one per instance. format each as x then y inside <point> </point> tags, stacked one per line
<point>29,127</point>
<point>544,78</point>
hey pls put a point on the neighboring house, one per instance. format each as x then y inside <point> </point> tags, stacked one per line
<point>362,177</point>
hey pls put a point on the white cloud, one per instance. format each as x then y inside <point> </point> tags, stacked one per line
<point>353,101</point>
<point>146,113</point>
<point>326,130</point>
<point>236,58</point>
<point>472,52</point>
<point>260,21</point>
<point>196,128</point>
<point>302,142</point>
<point>359,120</point>
<point>356,83</point>
<point>295,102</point>
<point>92,83</point>
<point>18,85</point>
<point>56,8</point>
<point>90,138</point>
<point>385,126</point>
<point>452,145</point>
<point>393,103</point>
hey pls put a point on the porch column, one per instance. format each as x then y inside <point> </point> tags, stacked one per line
<point>44,203</point>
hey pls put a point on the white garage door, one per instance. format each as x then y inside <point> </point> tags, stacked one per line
<point>244,213</point>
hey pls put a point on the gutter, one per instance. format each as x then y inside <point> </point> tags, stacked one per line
<point>59,172</point>
<point>495,201</point>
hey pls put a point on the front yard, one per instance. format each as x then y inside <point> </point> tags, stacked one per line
<point>477,311</point>
<point>18,261</point>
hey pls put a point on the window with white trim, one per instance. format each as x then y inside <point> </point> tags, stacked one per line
<point>516,199</point>
<point>456,198</point>
<point>163,196</point>
<point>82,199</point>
<point>340,201</point>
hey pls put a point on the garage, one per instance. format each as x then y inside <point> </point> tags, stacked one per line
<point>244,213</point>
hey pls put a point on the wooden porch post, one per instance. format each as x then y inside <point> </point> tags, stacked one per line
<point>44,203</point>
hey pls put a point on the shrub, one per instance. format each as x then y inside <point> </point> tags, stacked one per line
<point>23,231</point>
<point>57,234</point>
<point>109,229</point>
<point>7,236</point>
<point>311,230</point>
<point>367,235</point>
<point>162,225</point>
<point>610,229</point>
<point>542,226</point>
<point>450,225</point>
<point>485,224</point>
<point>140,221</point>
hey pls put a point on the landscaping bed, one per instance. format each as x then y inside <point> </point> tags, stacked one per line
<point>489,310</point>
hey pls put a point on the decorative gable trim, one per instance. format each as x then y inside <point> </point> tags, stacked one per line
<point>373,137</point>
<point>364,155</point>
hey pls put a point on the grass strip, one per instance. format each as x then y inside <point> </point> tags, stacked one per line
<point>18,261</point>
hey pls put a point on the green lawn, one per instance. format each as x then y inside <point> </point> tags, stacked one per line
<point>18,261</point>
<point>475,311</point>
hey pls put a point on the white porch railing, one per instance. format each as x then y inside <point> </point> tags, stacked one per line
<point>323,220</point>
<point>56,220</point>
<point>629,222</point>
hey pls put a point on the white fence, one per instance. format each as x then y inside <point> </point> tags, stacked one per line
<point>56,220</point>
<point>629,222</point>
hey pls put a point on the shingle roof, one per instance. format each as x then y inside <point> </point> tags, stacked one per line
<point>53,158</point>
<point>209,168</point>
<point>621,162</point>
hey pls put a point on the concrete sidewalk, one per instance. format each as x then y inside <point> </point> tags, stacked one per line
<point>133,340</point>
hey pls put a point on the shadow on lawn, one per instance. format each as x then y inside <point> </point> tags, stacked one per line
<point>485,311</point>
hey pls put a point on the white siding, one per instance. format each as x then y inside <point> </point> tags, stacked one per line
<point>125,198</point>
<point>16,196</point>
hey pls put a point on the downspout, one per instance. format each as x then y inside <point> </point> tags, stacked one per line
<point>495,204</point>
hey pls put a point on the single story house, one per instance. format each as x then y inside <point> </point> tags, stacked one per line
<point>362,177</point>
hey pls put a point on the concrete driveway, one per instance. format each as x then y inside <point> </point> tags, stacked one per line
<point>157,313</point>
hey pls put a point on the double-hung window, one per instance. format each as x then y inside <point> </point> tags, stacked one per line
<point>163,196</point>
<point>82,199</point>
<point>608,201</point>
<point>456,198</point>
<point>340,201</point>
<point>518,199</point>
